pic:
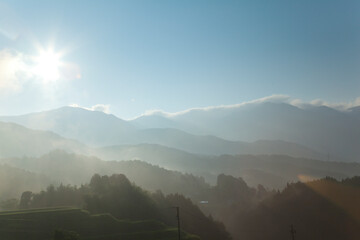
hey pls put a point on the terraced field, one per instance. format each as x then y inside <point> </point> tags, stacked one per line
<point>40,224</point>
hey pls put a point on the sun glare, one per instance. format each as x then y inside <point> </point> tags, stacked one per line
<point>47,65</point>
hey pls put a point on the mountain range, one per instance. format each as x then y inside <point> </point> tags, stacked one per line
<point>335,133</point>
<point>16,140</point>
<point>197,153</point>
<point>258,128</point>
<point>285,142</point>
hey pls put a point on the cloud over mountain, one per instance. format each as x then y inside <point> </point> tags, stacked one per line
<point>216,130</point>
<point>276,98</point>
<point>105,108</point>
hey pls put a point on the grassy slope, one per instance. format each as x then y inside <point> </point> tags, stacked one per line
<point>40,224</point>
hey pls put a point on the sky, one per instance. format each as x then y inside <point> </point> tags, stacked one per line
<point>129,57</point>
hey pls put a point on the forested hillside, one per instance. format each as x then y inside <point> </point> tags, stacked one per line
<point>116,195</point>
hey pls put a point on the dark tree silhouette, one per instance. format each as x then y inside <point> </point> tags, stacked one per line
<point>25,200</point>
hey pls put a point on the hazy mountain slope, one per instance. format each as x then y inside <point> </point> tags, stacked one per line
<point>173,158</point>
<point>102,129</point>
<point>77,169</point>
<point>166,157</point>
<point>322,128</point>
<point>273,171</point>
<point>91,127</point>
<point>14,181</point>
<point>245,122</point>
<point>213,145</point>
<point>269,170</point>
<point>277,170</point>
<point>16,140</point>
<point>355,111</point>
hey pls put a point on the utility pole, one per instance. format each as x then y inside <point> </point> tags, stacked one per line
<point>178,220</point>
<point>292,232</point>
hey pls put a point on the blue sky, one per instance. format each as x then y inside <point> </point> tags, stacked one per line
<point>173,55</point>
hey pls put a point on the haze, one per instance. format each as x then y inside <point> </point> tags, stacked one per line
<point>210,120</point>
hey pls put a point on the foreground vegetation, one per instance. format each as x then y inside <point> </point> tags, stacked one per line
<point>72,223</point>
<point>117,196</point>
<point>326,208</point>
<point>319,209</point>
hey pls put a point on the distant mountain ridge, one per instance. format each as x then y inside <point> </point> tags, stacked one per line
<point>261,164</point>
<point>100,129</point>
<point>310,131</point>
<point>91,127</point>
<point>16,140</point>
<point>327,130</point>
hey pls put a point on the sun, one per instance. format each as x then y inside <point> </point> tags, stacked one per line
<point>47,65</point>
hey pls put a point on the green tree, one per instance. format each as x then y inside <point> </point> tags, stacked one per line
<point>25,199</point>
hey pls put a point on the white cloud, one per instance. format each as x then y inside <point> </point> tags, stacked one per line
<point>343,106</point>
<point>160,112</point>
<point>13,70</point>
<point>101,108</point>
<point>105,108</point>
<point>273,98</point>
